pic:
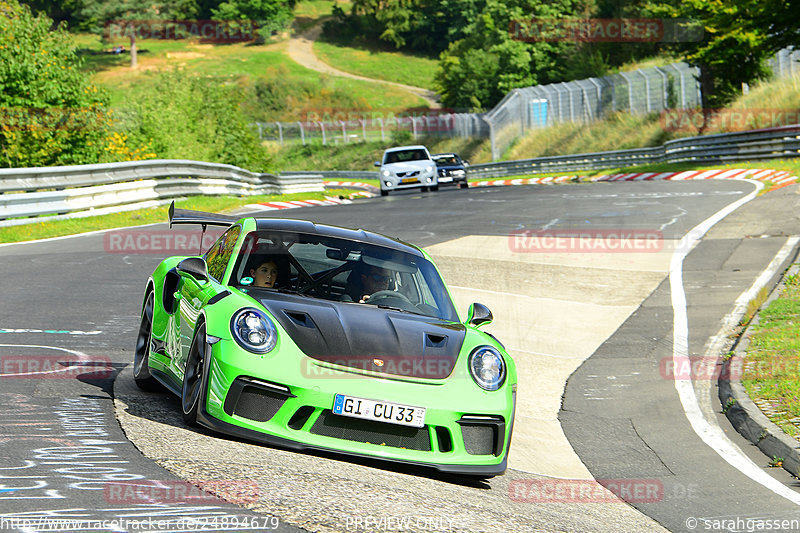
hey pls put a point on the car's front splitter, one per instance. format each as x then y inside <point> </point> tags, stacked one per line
<point>227,428</point>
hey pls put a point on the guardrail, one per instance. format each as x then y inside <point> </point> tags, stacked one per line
<point>773,143</point>
<point>30,192</point>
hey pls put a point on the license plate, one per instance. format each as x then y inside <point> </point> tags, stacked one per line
<point>393,413</point>
<point>445,179</point>
<point>408,180</point>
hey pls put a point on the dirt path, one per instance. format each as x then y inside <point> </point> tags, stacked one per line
<point>301,50</point>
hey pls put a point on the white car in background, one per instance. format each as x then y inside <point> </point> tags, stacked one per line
<point>407,167</point>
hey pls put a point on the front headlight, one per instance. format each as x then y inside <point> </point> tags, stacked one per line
<point>386,173</point>
<point>254,331</point>
<point>487,368</point>
<point>429,169</point>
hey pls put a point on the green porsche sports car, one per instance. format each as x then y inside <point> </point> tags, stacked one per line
<point>314,337</point>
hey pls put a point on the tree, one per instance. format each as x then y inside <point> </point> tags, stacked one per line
<point>130,18</point>
<point>269,15</point>
<point>51,113</point>
<point>736,43</point>
<point>479,69</point>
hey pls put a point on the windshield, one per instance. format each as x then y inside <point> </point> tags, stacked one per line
<point>401,156</point>
<point>342,271</point>
<point>446,160</point>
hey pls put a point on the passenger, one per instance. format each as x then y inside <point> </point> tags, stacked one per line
<point>265,274</point>
<point>268,271</point>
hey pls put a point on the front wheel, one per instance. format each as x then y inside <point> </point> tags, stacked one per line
<point>463,185</point>
<point>141,354</point>
<point>434,188</point>
<point>384,193</point>
<point>194,376</point>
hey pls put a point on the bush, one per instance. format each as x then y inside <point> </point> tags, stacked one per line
<point>189,117</point>
<point>50,113</point>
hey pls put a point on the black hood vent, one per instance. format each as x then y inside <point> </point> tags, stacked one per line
<point>369,338</point>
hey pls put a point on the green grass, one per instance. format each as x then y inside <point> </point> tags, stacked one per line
<point>362,155</point>
<point>213,204</point>
<point>309,12</point>
<point>772,366</point>
<point>240,63</point>
<point>619,131</point>
<point>379,62</point>
<point>767,101</point>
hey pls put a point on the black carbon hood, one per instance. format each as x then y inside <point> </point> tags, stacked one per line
<point>366,337</point>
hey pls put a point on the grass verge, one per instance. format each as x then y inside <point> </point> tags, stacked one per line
<point>213,204</point>
<point>243,63</point>
<point>772,365</point>
<point>378,63</point>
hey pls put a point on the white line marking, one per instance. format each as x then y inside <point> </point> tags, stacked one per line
<point>80,355</point>
<point>84,234</point>
<point>712,435</point>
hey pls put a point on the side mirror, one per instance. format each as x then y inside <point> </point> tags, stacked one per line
<point>479,315</point>
<point>377,163</point>
<point>194,266</point>
<point>466,163</point>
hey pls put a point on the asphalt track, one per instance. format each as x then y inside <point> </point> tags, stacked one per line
<point>608,315</point>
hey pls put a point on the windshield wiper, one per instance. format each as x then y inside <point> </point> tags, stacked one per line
<point>391,308</point>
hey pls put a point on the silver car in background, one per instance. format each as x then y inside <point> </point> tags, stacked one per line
<point>407,167</point>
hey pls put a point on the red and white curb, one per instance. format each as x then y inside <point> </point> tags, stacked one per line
<point>779,178</point>
<point>351,184</point>
<point>291,204</point>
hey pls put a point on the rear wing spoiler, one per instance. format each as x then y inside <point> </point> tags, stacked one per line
<point>187,216</point>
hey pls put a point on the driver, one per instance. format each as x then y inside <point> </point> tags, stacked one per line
<point>374,279</point>
<point>365,280</point>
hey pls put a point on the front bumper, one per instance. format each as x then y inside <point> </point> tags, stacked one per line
<point>448,177</point>
<point>289,405</point>
<point>394,183</point>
